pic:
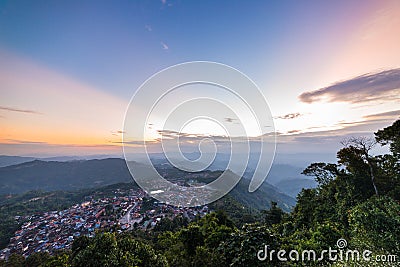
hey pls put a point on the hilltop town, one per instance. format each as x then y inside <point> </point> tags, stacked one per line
<point>127,210</point>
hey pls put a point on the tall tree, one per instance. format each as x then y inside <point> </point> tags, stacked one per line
<point>273,215</point>
<point>361,146</point>
<point>390,136</point>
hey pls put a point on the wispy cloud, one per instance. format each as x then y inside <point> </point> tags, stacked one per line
<point>148,27</point>
<point>135,142</point>
<point>19,110</point>
<point>289,116</point>
<point>10,141</point>
<point>384,115</point>
<point>229,119</point>
<point>164,46</point>
<point>116,133</point>
<point>16,141</point>
<point>163,2</point>
<point>170,134</point>
<point>381,86</point>
<point>290,141</point>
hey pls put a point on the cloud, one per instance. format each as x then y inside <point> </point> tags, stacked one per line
<point>133,142</point>
<point>19,110</point>
<point>368,124</point>
<point>116,133</point>
<point>291,141</point>
<point>148,27</point>
<point>16,141</point>
<point>355,128</point>
<point>163,2</point>
<point>289,116</point>
<point>170,134</point>
<point>385,115</point>
<point>164,46</point>
<point>229,119</point>
<point>383,86</point>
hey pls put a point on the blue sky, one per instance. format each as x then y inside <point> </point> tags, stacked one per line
<point>116,46</point>
<point>102,51</point>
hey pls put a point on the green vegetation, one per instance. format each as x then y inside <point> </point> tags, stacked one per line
<point>357,199</point>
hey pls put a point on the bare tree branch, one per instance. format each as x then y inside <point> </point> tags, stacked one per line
<point>364,144</point>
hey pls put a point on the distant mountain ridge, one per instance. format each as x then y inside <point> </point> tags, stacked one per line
<point>14,160</point>
<point>288,179</point>
<point>80,174</point>
<point>284,177</point>
<point>55,175</point>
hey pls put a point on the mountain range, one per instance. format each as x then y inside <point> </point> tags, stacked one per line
<point>80,174</point>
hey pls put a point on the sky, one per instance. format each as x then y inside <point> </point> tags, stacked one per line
<point>68,69</point>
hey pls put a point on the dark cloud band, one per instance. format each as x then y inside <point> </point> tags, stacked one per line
<point>381,86</point>
<point>19,110</point>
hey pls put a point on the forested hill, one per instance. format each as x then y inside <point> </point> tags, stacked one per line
<point>67,176</point>
<point>13,160</point>
<point>75,175</point>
